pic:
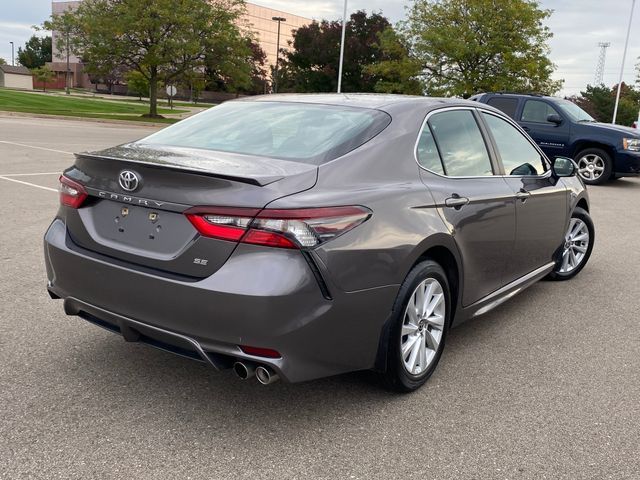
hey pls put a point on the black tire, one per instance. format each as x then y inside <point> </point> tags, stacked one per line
<point>556,274</point>
<point>605,175</point>
<point>396,377</point>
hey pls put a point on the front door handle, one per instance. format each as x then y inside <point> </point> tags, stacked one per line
<point>526,129</point>
<point>523,195</point>
<point>456,201</point>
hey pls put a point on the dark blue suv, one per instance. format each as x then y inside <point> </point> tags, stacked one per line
<point>602,151</point>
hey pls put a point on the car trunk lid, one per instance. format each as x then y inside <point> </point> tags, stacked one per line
<point>147,226</point>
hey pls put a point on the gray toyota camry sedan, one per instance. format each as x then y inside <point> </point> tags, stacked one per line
<point>303,236</point>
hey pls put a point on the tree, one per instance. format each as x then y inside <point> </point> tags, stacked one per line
<point>312,64</point>
<point>44,75</point>
<point>137,83</point>
<point>242,72</point>
<point>599,102</point>
<point>2,61</point>
<point>398,71</point>
<point>64,23</point>
<point>161,39</point>
<point>36,52</point>
<point>472,46</point>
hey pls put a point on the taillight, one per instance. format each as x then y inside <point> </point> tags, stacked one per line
<point>295,228</point>
<point>72,194</point>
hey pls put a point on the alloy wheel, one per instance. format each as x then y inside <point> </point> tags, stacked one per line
<point>576,244</point>
<point>423,326</point>
<point>591,167</point>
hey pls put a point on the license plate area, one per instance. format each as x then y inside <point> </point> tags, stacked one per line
<point>139,230</point>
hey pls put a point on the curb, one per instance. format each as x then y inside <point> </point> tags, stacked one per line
<point>130,123</point>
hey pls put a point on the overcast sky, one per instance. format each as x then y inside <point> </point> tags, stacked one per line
<point>578,26</point>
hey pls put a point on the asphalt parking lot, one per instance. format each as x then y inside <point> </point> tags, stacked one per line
<point>545,387</point>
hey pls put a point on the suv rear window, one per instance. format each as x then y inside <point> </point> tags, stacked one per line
<point>505,105</point>
<point>301,132</point>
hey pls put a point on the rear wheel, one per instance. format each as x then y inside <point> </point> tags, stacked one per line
<point>420,323</point>
<point>594,166</point>
<point>574,253</point>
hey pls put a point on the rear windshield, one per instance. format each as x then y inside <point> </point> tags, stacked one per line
<point>301,132</point>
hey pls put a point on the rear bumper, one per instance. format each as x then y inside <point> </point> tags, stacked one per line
<point>627,163</point>
<point>261,297</point>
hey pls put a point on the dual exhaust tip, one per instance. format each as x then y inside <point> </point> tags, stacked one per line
<point>246,370</point>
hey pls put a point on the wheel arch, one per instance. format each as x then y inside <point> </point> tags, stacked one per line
<point>583,204</point>
<point>585,144</point>
<point>442,249</point>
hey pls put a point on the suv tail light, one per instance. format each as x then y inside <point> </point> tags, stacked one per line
<point>72,194</point>
<point>296,228</point>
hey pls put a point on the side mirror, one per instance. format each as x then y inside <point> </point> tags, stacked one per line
<point>554,118</point>
<point>564,167</point>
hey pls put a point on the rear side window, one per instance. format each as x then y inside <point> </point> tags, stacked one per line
<point>519,157</point>
<point>505,105</point>
<point>460,143</point>
<point>428,155</point>
<point>300,132</point>
<point>537,111</point>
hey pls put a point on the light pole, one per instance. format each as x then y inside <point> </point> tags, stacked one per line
<point>275,81</point>
<point>13,62</point>
<point>624,57</point>
<point>344,31</point>
<point>68,72</point>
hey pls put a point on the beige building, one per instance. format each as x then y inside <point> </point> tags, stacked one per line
<point>257,19</point>
<point>260,20</point>
<point>15,77</point>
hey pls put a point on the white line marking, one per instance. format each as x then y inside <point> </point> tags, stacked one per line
<point>29,174</point>
<point>37,148</point>
<point>30,184</point>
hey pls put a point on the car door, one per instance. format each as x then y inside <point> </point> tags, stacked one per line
<point>552,138</point>
<point>477,206</point>
<point>541,200</point>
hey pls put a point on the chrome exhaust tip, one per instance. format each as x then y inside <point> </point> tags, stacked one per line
<point>244,370</point>
<point>266,376</point>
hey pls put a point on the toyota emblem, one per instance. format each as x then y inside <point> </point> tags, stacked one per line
<point>129,180</point>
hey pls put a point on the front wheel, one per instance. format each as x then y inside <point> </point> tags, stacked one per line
<point>420,321</point>
<point>594,166</point>
<point>574,253</point>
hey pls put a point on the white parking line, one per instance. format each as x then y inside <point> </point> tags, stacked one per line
<point>29,184</point>
<point>37,148</point>
<point>28,174</point>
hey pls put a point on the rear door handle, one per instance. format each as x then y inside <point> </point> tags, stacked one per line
<point>526,129</point>
<point>456,201</point>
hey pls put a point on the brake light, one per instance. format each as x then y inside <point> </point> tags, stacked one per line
<point>295,228</point>
<point>72,194</point>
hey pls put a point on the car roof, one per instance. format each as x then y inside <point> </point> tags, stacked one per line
<point>509,94</point>
<point>363,100</point>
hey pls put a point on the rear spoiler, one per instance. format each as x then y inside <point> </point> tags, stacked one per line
<point>257,180</point>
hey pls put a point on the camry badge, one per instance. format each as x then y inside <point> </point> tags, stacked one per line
<point>129,181</point>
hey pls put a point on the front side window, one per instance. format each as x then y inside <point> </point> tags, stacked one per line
<point>537,111</point>
<point>460,143</point>
<point>519,157</point>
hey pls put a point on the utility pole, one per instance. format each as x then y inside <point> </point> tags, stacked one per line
<point>13,61</point>
<point>275,80</point>
<point>624,57</point>
<point>67,73</point>
<point>599,77</point>
<point>344,31</point>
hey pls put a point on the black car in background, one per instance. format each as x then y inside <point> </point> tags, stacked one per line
<point>561,128</point>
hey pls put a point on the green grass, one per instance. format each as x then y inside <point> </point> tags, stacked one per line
<point>23,102</point>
